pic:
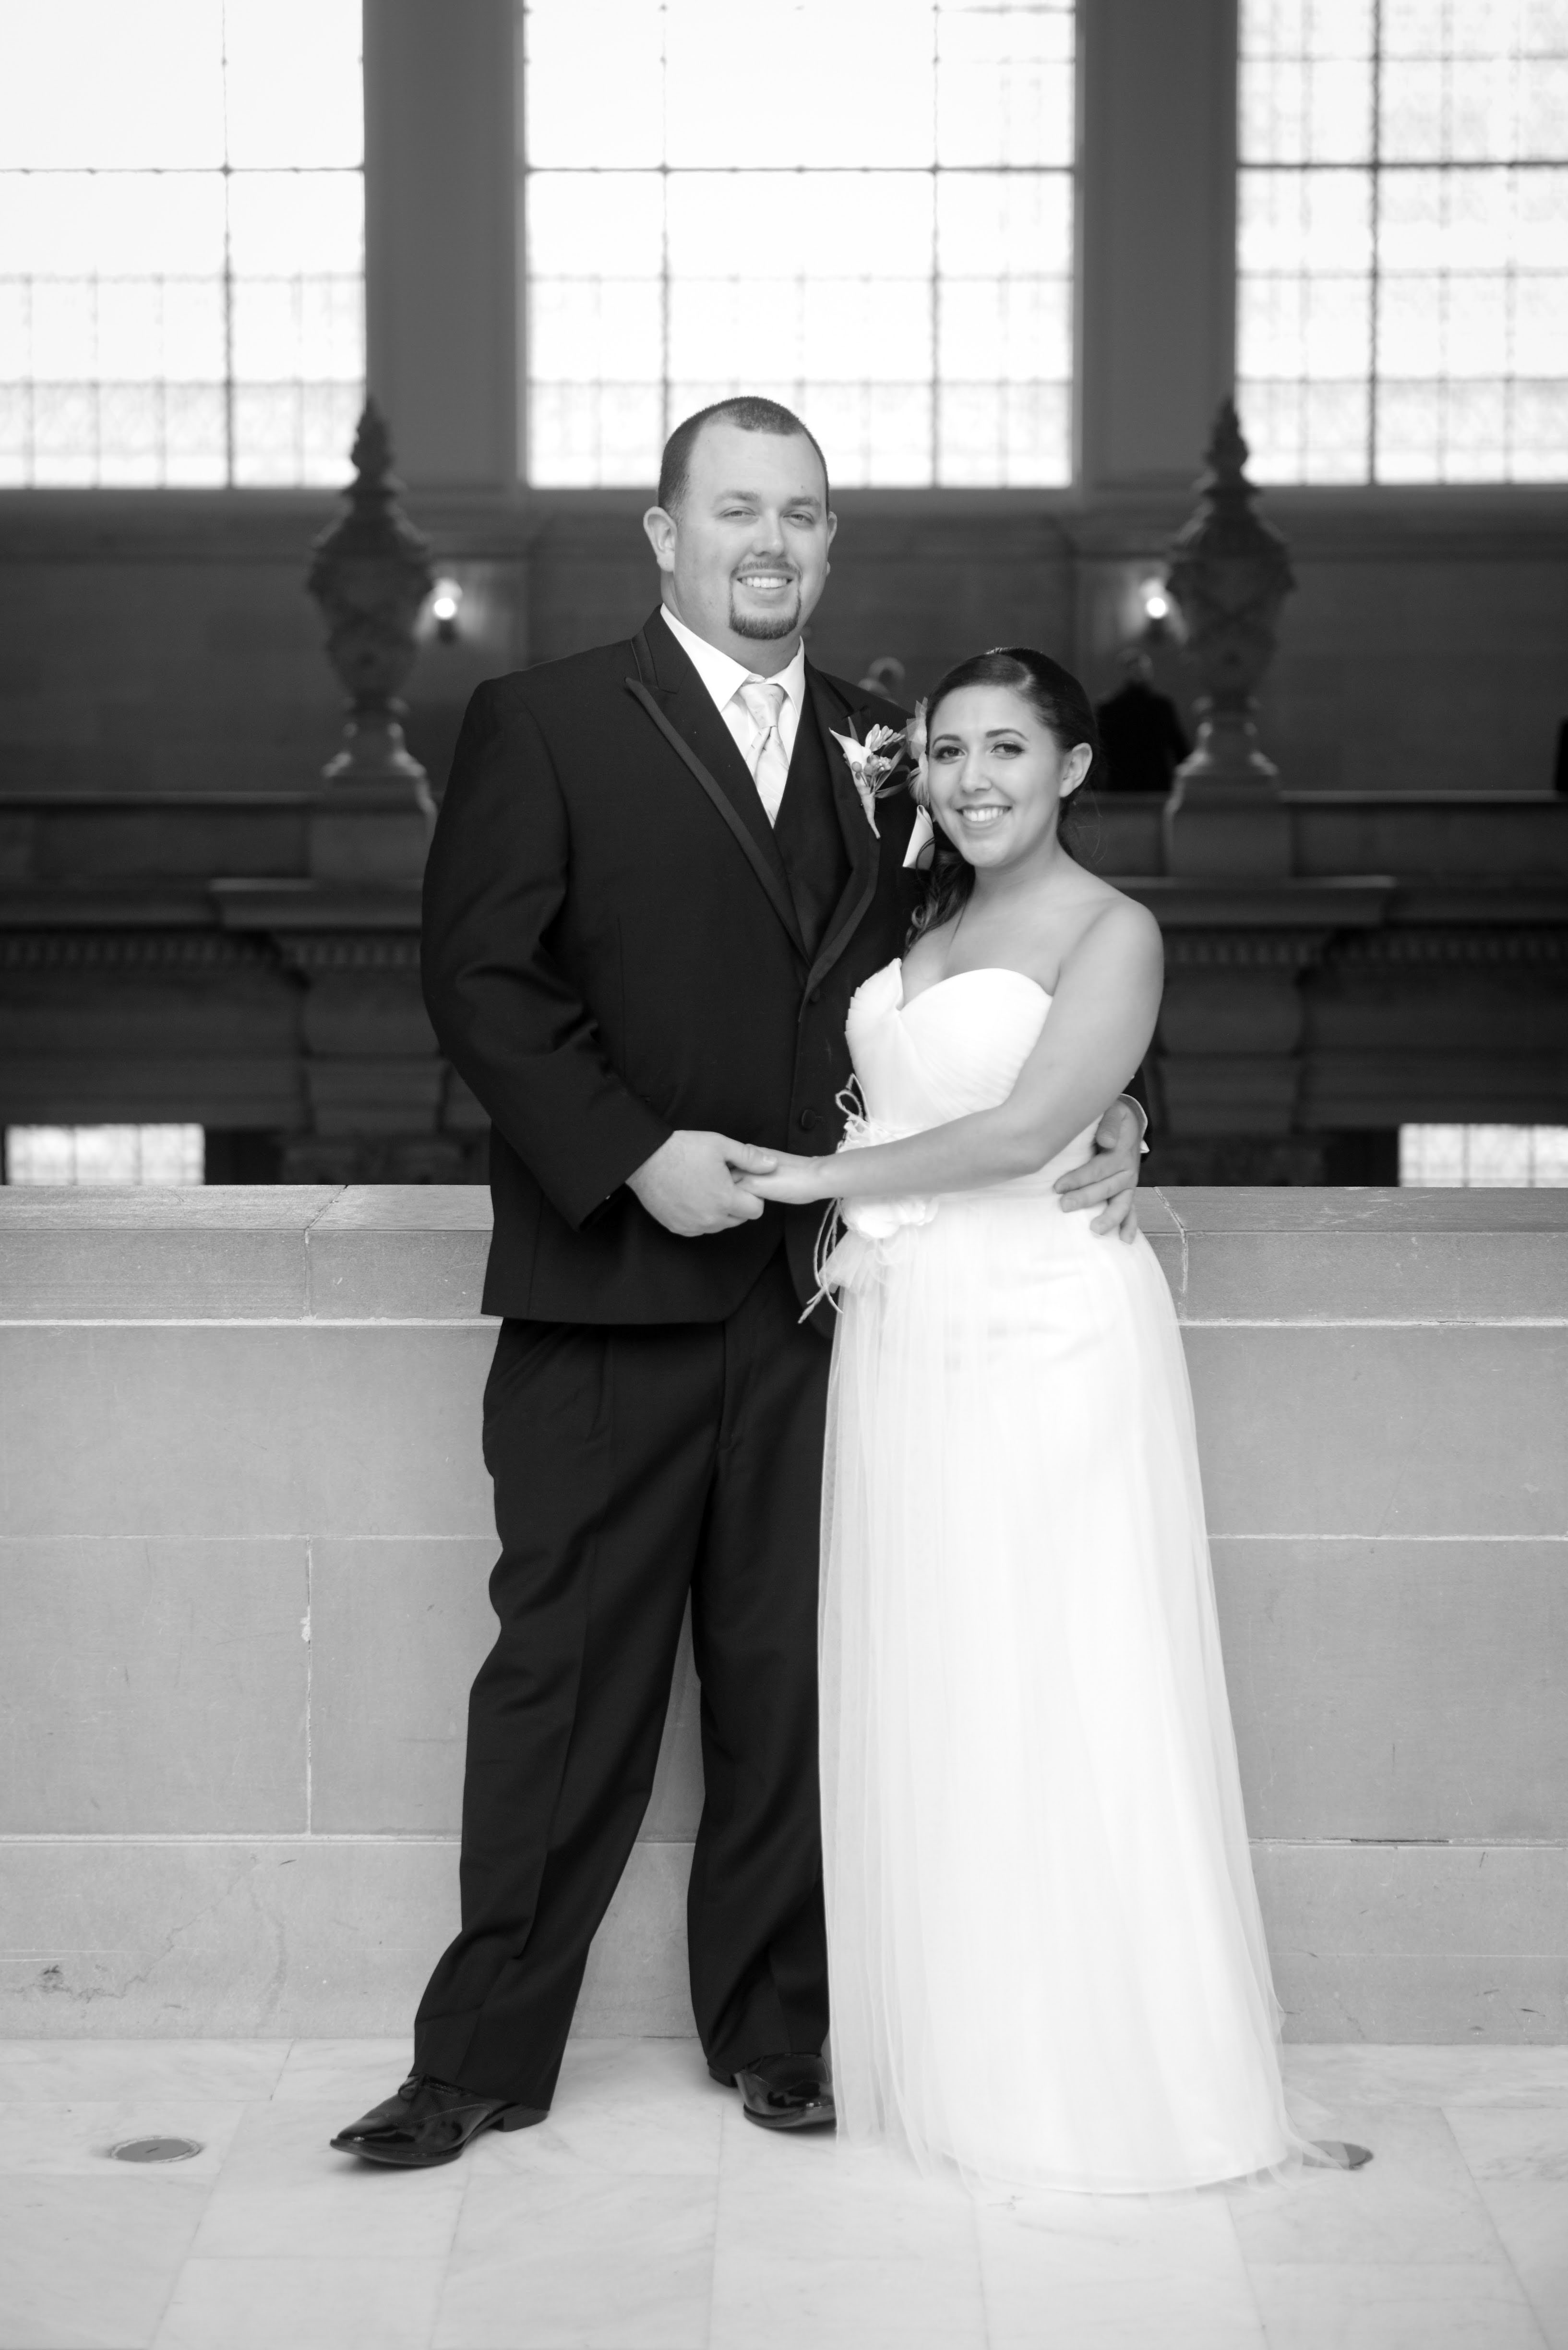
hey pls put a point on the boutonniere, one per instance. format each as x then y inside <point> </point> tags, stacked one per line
<point>871,764</point>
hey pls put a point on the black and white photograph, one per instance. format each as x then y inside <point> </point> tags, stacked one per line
<point>783,1241</point>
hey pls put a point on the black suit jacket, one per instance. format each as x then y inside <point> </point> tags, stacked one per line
<point>612,950</point>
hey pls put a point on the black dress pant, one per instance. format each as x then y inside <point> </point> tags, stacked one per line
<point>631,1466</point>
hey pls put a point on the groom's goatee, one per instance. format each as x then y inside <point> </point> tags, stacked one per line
<point>767,625</point>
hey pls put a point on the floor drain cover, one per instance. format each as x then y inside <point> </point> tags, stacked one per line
<point>155,2149</point>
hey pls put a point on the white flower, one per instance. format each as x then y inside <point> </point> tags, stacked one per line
<point>870,765</point>
<point>883,1219</point>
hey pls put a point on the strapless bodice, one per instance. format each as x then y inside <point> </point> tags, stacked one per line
<point>958,1047</point>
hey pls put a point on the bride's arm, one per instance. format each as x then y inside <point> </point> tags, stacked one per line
<point>1101,1020</point>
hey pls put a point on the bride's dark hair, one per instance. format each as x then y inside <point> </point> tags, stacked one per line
<point>1063,708</point>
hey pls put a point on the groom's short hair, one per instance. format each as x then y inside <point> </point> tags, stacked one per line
<point>747,411</point>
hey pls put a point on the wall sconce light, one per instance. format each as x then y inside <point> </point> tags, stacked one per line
<point>445,605</point>
<point>1155,602</point>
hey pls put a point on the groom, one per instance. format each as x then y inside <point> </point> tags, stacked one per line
<point>652,891</point>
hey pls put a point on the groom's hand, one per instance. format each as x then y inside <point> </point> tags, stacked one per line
<point>1109,1178</point>
<point>690,1184</point>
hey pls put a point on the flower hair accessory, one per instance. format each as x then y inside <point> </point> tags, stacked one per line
<point>915,751</point>
<point>923,832</point>
<point>871,764</point>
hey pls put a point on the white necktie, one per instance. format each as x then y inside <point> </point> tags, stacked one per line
<point>762,699</point>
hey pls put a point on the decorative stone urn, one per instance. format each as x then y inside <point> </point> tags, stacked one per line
<point>1228,578</point>
<point>370,573</point>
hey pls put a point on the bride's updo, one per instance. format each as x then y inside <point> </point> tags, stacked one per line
<point>1063,708</point>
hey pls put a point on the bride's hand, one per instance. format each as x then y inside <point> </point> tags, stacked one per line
<point>794,1182</point>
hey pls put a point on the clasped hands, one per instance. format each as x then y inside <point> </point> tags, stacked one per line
<point>699,1182</point>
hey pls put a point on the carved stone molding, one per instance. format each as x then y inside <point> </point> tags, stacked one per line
<point>1291,951</point>
<point>131,951</point>
<point>355,952</point>
<point>1530,948</point>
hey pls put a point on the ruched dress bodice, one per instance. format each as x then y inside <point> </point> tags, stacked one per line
<point>955,1048</point>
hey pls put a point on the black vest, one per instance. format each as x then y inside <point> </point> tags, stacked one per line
<point>808,834</point>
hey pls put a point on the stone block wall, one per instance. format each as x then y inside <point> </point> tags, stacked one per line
<point>247,1532</point>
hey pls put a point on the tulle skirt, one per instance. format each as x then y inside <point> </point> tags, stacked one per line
<point>1047,1963</point>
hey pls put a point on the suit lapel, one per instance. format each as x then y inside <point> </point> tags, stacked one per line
<point>679,705</point>
<point>834,716</point>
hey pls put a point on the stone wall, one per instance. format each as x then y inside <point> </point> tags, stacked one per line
<point>242,1594</point>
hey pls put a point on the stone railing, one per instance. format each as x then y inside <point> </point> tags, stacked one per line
<point>247,1534</point>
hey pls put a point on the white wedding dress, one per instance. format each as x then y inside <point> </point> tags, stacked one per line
<point>1047,1960</point>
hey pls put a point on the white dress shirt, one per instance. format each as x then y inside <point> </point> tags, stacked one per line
<point>722,675</point>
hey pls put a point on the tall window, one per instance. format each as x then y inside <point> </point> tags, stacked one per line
<point>1404,240</point>
<point>181,233</point>
<point>860,207</point>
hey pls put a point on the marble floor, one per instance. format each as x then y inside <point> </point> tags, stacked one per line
<point>647,2215</point>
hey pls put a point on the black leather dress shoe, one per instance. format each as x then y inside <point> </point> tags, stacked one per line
<point>784,2093</point>
<point>427,2122</point>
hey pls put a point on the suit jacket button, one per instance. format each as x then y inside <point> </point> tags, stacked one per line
<point>807,1119</point>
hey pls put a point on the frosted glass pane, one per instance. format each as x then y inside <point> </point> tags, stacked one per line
<point>1498,1155</point>
<point>1476,338</point>
<point>1006,330</point>
<point>1541,326</point>
<point>13,331</point>
<point>293,84</point>
<point>1414,113</point>
<point>194,425</point>
<point>595,223</point>
<point>284,222</point>
<point>1540,230</point>
<point>592,84</point>
<point>1305,220</point>
<point>990,223</point>
<point>733,331</point>
<point>1539,450</point>
<point>595,330</point>
<point>1543,106</point>
<point>130,342</point>
<point>851,327</point>
<point>1306,28</point>
<point>1475,431</point>
<point>1549,1150</point>
<point>1005,87</point>
<point>1432,1155</point>
<point>1296,111</point>
<point>64,330</point>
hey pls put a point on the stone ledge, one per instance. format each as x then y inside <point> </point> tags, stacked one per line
<point>416,1252</point>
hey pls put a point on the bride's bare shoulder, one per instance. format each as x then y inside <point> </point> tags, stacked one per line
<point>1109,921</point>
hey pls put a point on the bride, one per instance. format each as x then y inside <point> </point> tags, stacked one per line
<point>1047,1964</point>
